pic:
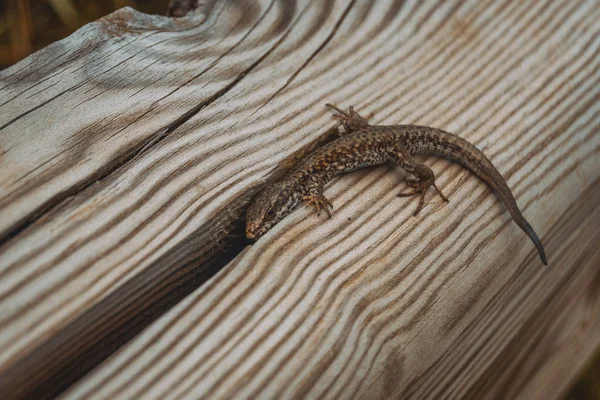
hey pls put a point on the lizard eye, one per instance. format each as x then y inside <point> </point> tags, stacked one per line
<point>270,213</point>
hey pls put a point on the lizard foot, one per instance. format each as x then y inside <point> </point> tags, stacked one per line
<point>320,202</point>
<point>351,120</point>
<point>420,188</point>
<point>412,182</point>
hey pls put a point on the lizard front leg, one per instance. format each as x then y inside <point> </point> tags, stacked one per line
<point>423,174</point>
<point>320,202</point>
<point>316,197</point>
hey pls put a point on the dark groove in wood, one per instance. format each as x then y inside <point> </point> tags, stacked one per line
<point>285,246</point>
<point>93,336</point>
<point>141,148</point>
<point>282,168</point>
<point>97,333</point>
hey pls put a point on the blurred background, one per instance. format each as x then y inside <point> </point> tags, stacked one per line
<point>29,25</point>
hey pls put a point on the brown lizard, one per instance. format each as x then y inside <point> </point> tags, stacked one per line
<point>365,145</point>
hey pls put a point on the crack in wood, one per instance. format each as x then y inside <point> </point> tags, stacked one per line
<point>121,161</point>
<point>85,342</point>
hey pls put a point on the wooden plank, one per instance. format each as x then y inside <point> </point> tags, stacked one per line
<point>83,247</point>
<point>266,327</point>
<point>152,127</point>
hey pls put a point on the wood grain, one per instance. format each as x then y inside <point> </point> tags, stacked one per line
<point>373,331</point>
<point>122,144</point>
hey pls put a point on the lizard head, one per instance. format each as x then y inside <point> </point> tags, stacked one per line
<point>269,207</point>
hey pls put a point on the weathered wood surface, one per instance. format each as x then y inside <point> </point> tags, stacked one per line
<point>124,140</point>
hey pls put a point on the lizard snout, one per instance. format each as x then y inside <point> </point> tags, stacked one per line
<point>250,231</point>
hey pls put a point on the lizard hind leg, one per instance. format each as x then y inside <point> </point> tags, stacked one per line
<point>420,188</point>
<point>412,182</point>
<point>320,202</point>
<point>424,177</point>
<point>351,121</point>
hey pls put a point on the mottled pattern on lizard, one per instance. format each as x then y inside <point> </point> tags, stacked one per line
<point>365,145</point>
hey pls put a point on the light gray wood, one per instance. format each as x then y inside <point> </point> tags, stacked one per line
<point>121,140</point>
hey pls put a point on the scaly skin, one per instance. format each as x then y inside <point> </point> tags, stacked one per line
<point>365,145</point>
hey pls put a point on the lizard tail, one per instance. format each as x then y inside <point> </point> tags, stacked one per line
<point>450,146</point>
